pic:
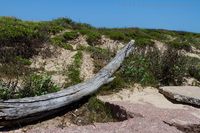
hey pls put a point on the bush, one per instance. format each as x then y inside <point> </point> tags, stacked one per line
<point>19,38</point>
<point>136,69</point>
<point>143,42</point>
<point>60,41</point>
<point>73,70</point>
<point>5,91</point>
<point>180,45</point>
<point>117,36</point>
<point>93,37</point>
<point>173,67</point>
<point>70,35</point>
<point>99,112</point>
<point>36,85</point>
<point>116,85</point>
<point>33,85</point>
<point>23,60</point>
<point>193,66</point>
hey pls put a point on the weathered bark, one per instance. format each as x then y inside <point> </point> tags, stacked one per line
<point>32,107</point>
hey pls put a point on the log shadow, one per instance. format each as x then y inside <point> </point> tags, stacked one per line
<point>39,117</point>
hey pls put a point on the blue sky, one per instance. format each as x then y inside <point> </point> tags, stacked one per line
<point>166,14</point>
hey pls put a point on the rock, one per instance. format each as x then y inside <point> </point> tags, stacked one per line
<point>151,113</point>
<point>184,94</point>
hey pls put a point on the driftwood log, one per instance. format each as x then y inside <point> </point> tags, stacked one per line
<point>37,107</point>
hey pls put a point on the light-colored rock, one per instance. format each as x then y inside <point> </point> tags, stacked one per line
<point>185,94</point>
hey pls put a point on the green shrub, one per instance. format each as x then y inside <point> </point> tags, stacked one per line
<point>136,69</point>
<point>194,71</point>
<point>180,45</point>
<point>143,42</point>
<point>93,37</point>
<point>117,36</point>
<point>173,67</point>
<point>99,112</point>
<point>33,85</point>
<point>193,66</point>
<point>36,85</point>
<point>19,38</point>
<point>60,41</point>
<point>23,60</point>
<point>73,70</point>
<point>116,85</point>
<point>5,92</point>
<point>70,35</point>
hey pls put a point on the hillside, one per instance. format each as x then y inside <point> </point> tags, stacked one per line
<point>37,58</point>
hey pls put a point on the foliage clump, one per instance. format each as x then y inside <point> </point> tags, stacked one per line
<point>180,45</point>
<point>61,42</point>
<point>143,42</point>
<point>19,38</point>
<point>99,112</point>
<point>93,37</point>
<point>33,85</point>
<point>73,70</point>
<point>70,35</point>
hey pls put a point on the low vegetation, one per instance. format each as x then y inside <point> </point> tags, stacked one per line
<point>91,112</point>
<point>73,70</point>
<point>33,85</point>
<point>21,40</point>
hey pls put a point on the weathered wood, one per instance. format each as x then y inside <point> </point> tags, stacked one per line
<point>15,109</point>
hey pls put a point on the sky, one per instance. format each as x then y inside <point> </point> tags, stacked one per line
<point>181,15</point>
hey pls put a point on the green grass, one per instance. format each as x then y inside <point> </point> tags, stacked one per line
<point>99,112</point>
<point>33,85</point>
<point>93,36</point>
<point>73,70</point>
<point>180,45</point>
<point>143,42</point>
<point>136,69</point>
<point>60,41</point>
<point>70,35</point>
<point>23,60</point>
<point>21,40</point>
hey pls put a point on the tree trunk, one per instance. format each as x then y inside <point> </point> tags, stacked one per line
<point>33,107</point>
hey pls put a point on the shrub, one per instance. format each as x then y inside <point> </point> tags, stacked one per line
<point>136,69</point>
<point>173,67</point>
<point>113,86</point>
<point>36,85</point>
<point>33,85</point>
<point>60,41</point>
<point>99,112</point>
<point>180,45</point>
<point>143,42</point>
<point>23,60</point>
<point>93,36</point>
<point>73,70</point>
<point>70,35</point>
<point>19,38</point>
<point>5,92</point>
<point>193,66</point>
<point>117,36</point>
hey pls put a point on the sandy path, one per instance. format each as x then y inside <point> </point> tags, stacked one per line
<point>87,66</point>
